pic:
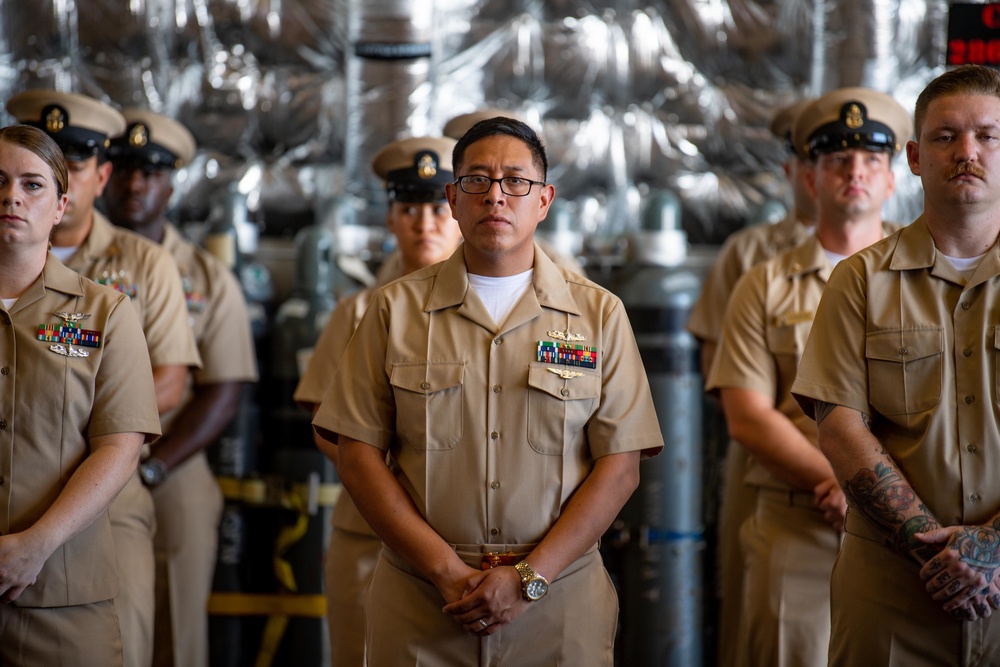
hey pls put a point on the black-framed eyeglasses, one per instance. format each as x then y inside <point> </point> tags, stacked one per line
<point>512,186</point>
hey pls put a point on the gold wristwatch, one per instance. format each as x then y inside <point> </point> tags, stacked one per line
<point>533,585</point>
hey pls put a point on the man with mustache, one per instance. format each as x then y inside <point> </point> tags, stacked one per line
<point>88,243</point>
<point>514,408</point>
<point>791,539</point>
<point>900,373</point>
<point>185,493</point>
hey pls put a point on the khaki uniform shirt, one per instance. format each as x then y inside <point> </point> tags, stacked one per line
<point>322,365</point>
<point>51,404</point>
<point>218,315</point>
<point>899,337</point>
<point>142,269</point>
<point>488,442</point>
<point>742,250</point>
<point>765,329</point>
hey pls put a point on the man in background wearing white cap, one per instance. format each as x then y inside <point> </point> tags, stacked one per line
<point>87,243</point>
<point>901,374</point>
<point>791,540</point>
<point>415,172</point>
<point>186,495</point>
<point>742,250</point>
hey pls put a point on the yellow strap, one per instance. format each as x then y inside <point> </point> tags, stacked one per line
<point>262,492</point>
<point>269,642</point>
<point>288,536</point>
<point>263,604</point>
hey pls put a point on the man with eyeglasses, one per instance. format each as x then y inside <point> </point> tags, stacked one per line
<point>512,403</point>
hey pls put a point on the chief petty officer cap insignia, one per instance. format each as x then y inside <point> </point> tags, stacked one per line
<point>416,170</point>
<point>152,140</point>
<point>852,118</point>
<point>80,125</point>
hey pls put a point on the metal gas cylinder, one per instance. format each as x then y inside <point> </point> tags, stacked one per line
<point>660,531</point>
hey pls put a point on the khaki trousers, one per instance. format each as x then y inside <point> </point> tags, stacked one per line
<point>573,625</point>
<point>348,566</point>
<point>790,550</point>
<point>883,616</point>
<point>188,511</point>
<point>85,635</point>
<point>133,524</point>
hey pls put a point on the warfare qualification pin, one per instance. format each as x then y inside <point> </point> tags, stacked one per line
<point>68,334</point>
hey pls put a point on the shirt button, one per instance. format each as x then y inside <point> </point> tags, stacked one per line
<point>494,435</point>
<point>3,480</point>
<point>3,424</point>
<point>903,351</point>
<point>494,484</point>
<point>497,340</point>
<point>966,352</point>
<point>496,389</point>
<point>494,531</point>
<point>425,385</point>
<point>969,399</point>
<point>974,497</point>
<point>4,370</point>
<point>564,391</point>
<point>971,448</point>
<point>966,305</point>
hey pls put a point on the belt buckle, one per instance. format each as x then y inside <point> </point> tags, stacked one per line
<point>493,559</point>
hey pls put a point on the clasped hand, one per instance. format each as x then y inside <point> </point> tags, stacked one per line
<point>963,575</point>
<point>486,600</point>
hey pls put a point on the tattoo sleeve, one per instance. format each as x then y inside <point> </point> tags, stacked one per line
<point>883,498</point>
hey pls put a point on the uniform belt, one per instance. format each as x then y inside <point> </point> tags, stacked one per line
<point>487,556</point>
<point>803,499</point>
<point>472,555</point>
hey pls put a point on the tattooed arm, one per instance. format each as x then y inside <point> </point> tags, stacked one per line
<point>961,574</point>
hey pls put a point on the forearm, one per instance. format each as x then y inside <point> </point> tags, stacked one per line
<point>391,513</point>
<point>200,422</point>
<point>168,381</point>
<point>873,483</point>
<point>773,440</point>
<point>588,514</point>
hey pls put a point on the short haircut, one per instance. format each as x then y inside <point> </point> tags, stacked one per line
<point>42,145</point>
<point>501,125</point>
<point>964,80</point>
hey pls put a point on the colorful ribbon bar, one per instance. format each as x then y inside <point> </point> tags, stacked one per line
<point>551,352</point>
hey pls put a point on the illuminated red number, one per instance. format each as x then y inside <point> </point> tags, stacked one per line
<point>977,51</point>
<point>991,16</point>
<point>957,52</point>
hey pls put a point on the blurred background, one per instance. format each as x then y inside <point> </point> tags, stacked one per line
<point>290,99</point>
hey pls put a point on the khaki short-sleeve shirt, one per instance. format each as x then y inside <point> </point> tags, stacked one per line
<point>145,271</point>
<point>489,440</point>
<point>320,370</point>
<point>764,332</point>
<point>52,403</point>
<point>217,313</point>
<point>901,337</point>
<point>742,250</point>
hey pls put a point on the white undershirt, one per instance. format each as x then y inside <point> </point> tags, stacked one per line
<point>965,265</point>
<point>500,294</point>
<point>63,253</point>
<point>833,257</point>
<point>7,303</point>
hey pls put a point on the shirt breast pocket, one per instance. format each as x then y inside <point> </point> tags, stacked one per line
<point>428,403</point>
<point>905,370</point>
<point>559,408</point>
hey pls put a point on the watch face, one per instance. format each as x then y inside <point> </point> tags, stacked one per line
<point>536,589</point>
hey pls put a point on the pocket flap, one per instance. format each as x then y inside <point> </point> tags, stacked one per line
<point>904,345</point>
<point>427,377</point>
<point>546,377</point>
